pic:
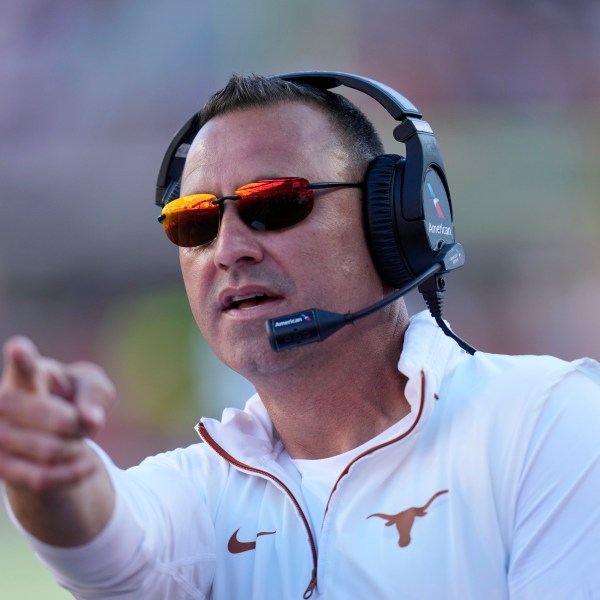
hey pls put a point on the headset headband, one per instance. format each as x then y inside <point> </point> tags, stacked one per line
<point>396,104</point>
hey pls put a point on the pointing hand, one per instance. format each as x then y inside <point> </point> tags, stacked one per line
<point>46,410</point>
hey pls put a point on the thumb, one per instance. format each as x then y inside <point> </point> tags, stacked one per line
<point>94,395</point>
<point>20,364</point>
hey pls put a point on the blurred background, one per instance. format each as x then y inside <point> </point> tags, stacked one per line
<point>91,93</point>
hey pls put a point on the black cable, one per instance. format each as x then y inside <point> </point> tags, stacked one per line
<point>433,291</point>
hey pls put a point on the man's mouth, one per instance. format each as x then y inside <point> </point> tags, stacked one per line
<point>245,301</point>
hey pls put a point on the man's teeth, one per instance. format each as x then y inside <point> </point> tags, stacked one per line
<point>237,300</point>
<point>247,296</point>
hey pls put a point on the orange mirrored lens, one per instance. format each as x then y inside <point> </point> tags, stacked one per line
<point>274,204</point>
<point>192,220</point>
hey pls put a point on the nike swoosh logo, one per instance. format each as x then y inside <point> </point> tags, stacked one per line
<point>236,547</point>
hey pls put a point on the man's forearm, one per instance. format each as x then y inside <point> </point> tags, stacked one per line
<point>70,516</point>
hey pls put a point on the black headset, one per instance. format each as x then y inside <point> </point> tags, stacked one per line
<point>408,214</point>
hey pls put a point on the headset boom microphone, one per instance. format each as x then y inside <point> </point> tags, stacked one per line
<point>315,325</point>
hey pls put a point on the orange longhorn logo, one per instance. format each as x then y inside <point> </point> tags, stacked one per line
<point>404,520</point>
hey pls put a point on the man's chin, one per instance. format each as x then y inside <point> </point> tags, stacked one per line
<point>256,361</point>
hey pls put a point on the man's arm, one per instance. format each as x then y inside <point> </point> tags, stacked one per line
<point>556,544</point>
<point>57,486</point>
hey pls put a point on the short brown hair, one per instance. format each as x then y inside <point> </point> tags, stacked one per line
<point>254,91</point>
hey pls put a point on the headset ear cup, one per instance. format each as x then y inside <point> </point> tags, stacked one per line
<point>384,175</point>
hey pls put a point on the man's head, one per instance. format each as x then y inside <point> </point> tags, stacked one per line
<point>245,276</point>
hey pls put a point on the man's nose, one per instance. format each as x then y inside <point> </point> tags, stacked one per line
<point>236,243</point>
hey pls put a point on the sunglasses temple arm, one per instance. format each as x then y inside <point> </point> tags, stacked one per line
<point>331,184</point>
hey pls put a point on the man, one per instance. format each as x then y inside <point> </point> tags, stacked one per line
<point>383,463</point>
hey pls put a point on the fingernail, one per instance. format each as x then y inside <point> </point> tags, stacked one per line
<point>96,415</point>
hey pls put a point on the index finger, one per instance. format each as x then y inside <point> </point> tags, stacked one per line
<point>20,355</point>
<point>26,370</point>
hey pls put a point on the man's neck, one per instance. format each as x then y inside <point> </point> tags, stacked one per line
<point>331,406</point>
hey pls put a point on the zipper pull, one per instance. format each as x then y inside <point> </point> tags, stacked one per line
<point>311,586</point>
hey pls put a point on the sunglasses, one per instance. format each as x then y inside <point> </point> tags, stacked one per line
<point>267,205</point>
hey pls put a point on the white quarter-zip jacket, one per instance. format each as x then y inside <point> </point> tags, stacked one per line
<point>489,488</point>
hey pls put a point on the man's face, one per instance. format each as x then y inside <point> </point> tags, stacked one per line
<point>245,277</point>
